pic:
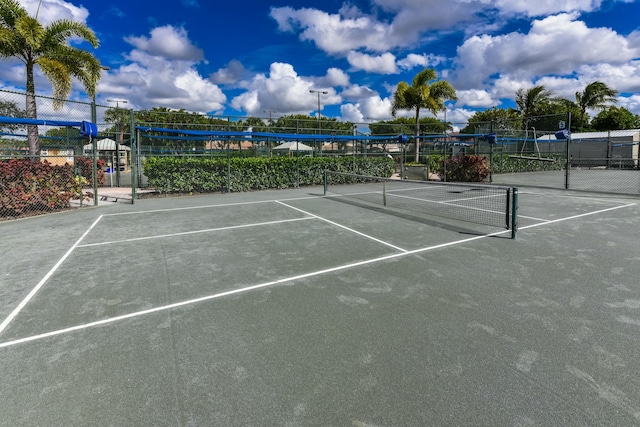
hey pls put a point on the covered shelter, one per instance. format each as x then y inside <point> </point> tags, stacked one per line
<point>292,147</point>
<point>111,153</point>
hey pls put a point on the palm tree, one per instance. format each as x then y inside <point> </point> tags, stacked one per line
<point>531,101</point>
<point>425,93</point>
<point>595,96</point>
<point>34,44</point>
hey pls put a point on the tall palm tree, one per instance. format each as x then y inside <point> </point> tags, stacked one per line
<point>531,101</point>
<point>424,93</point>
<point>595,96</point>
<point>46,46</point>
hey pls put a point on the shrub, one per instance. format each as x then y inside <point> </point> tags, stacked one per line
<point>205,175</point>
<point>85,168</point>
<point>462,168</point>
<point>28,187</point>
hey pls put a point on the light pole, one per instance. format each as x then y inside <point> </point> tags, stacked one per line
<point>117,101</point>
<point>319,92</point>
<point>270,112</point>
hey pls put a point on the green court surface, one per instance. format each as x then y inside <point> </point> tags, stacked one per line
<point>286,308</point>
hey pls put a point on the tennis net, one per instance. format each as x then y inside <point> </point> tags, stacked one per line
<point>490,205</point>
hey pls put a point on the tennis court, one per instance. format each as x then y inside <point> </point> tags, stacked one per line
<point>290,308</point>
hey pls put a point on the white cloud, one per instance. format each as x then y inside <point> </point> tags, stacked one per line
<point>160,71</point>
<point>631,103</point>
<point>334,77</point>
<point>425,61</point>
<point>475,98</point>
<point>53,10</point>
<point>351,113</point>
<point>382,64</point>
<point>548,48</point>
<point>546,7</point>
<point>284,91</point>
<point>168,42</point>
<point>335,33</point>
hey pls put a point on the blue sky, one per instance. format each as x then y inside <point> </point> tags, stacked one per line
<point>255,58</point>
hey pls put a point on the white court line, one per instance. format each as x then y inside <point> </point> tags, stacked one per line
<point>184,233</point>
<point>185,208</point>
<point>547,222</point>
<point>237,291</point>
<point>26,300</point>
<point>344,227</point>
<point>276,282</point>
<point>220,205</point>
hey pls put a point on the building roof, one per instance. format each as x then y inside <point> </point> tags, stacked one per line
<point>629,133</point>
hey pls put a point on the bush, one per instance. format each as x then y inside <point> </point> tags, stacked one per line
<point>28,187</point>
<point>462,168</point>
<point>206,175</point>
<point>85,168</point>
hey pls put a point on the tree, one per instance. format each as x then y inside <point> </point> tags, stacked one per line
<point>532,102</point>
<point>423,93</point>
<point>47,47</point>
<point>614,118</point>
<point>595,96</point>
<point>10,109</point>
<point>400,125</point>
<point>492,120</point>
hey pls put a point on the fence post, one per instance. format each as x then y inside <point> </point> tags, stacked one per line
<point>568,153</point>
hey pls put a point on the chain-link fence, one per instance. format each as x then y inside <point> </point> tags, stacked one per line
<point>46,164</point>
<point>520,151</point>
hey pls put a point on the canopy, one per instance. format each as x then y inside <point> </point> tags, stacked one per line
<point>293,146</point>
<point>107,144</point>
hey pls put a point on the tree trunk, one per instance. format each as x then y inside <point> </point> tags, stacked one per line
<point>31,111</point>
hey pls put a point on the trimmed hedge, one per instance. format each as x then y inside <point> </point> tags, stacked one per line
<point>502,163</point>
<point>208,175</point>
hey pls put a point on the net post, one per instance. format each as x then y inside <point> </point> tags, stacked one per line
<point>324,179</point>
<point>384,193</point>
<point>514,213</point>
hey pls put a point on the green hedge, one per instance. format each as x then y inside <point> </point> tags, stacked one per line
<point>502,163</point>
<point>207,175</point>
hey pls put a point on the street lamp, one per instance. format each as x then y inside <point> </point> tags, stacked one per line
<point>319,92</point>
<point>270,112</point>
<point>117,101</point>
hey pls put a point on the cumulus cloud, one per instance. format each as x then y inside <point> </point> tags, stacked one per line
<point>284,91</point>
<point>160,70</point>
<point>546,49</point>
<point>381,64</point>
<point>476,98</point>
<point>168,42</point>
<point>53,10</point>
<point>546,7</point>
<point>425,61</point>
<point>334,77</point>
<point>335,33</point>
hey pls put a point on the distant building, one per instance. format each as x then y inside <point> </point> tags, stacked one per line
<point>616,148</point>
